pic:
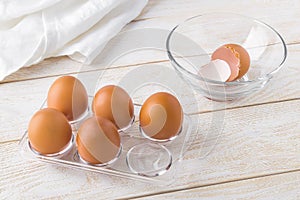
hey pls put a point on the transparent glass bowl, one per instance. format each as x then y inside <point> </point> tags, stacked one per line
<point>191,43</point>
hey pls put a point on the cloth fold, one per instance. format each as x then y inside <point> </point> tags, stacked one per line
<point>50,28</point>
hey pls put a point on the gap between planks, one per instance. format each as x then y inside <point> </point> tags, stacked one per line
<point>10,141</point>
<point>211,184</point>
<point>246,106</point>
<point>85,71</point>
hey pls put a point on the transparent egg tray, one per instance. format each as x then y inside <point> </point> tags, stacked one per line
<point>139,157</point>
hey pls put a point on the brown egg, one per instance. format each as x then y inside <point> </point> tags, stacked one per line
<point>113,103</point>
<point>231,56</point>
<point>49,131</point>
<point>68,95</point>
<point>244,59</point>
<point>161,116</point>
<point>98,140</point>
<point>237,58</point>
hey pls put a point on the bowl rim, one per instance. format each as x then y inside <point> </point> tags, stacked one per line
<point>239,82</point>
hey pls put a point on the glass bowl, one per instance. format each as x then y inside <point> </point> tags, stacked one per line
<point>191,43</point>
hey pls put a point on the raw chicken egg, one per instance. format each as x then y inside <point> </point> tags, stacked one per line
<point>68,95</point>
<point>113,103</point>
<point>161,117</point>
<point>49,131</point>
<point>98,141</point>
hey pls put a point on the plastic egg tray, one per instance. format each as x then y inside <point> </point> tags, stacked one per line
<point>139,158</point>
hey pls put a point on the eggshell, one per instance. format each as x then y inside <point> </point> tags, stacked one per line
<point>68,95</point>
<point>217,70</point>
<point>231,56</point>
<point>98,140</point>
<point>49,131</point>
<point>161,116</point>
<point>113,103</point>
<point>244,59</point>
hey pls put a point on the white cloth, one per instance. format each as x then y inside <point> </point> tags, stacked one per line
<point>32,30</point>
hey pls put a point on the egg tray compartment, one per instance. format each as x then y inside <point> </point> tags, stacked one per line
<point>139,158</point>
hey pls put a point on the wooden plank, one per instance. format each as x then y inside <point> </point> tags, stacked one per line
<point>283,87</point>
<point>64,65</point>
<point>257,9</point>
<point>258,140</point>
<point>165,15</point>
<point>255,141</point>
<point>282,186</point>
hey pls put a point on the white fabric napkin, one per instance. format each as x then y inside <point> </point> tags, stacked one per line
<point>32,30</point>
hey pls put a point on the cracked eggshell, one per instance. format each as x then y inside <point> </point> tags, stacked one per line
<point>217,70</point>
<point>231,56</point>
<point>244,59</point>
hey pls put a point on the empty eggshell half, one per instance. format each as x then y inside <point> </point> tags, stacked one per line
<point>217,70</point>
<point>98,140</point>
<point>68,95</point>
<point>244,59</point>
<point>231,56</point>
<point>49,131</point>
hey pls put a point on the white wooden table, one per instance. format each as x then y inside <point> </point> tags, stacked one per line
<point>256,157</point>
